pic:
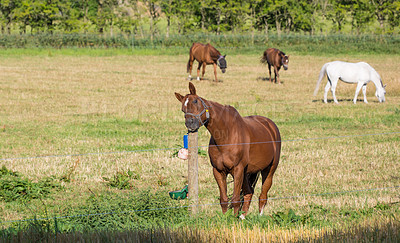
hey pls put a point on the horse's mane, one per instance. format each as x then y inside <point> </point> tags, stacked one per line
<point>214,53</point>
<point>227,108</point>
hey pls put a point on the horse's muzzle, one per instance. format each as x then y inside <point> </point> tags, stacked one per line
<point>223,70</point>
<point>192,124</point>
<point>285,67</point>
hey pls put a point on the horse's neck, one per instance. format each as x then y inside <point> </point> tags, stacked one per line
<point>378,84</point>
<point>214,53</point>
<point>222,121</point>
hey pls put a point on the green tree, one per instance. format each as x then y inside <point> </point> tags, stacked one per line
<point>235,14</point>
<point>127,18</point>
<point>264,15</point>
<point>184,13</point>
<point>154,10</point>
<point>105,15</point>
<point>300,15</point>
<point>383,9</point>
<point>361,13</point>
<point>168,8</point>
<point>394,15</point>
<point>338,12</point>
<point>7,8</point>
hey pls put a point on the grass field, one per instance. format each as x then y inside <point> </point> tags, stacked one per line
<point>109,110</point>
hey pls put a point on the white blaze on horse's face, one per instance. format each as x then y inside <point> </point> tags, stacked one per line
<point>186,102</point>
<point>285,62</point>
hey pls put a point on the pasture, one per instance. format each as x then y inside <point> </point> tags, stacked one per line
<point>118,113</point>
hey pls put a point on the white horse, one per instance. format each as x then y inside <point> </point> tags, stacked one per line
<point>361,73</point>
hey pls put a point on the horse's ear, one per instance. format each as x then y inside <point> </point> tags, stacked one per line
<point>224,55</point>
<point>179,96</point>
<point>384,86</point>
<point>192,89</point>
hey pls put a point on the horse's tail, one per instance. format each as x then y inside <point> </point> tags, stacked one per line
<point>263,59</point>
<point>190,57</point>
<point>321,76</point>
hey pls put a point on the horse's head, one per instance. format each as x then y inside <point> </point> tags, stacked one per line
<point>380,93</point>
<point>285,61</point>
<point>195,109</point>
<point>222,63</point>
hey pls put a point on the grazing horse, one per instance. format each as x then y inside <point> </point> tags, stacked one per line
<point>205,55</point>
<point>277,59</point>
<point>240,146</point>
<point>361,73</point>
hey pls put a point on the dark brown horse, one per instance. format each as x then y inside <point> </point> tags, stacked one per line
<point>205,55</point>
<point>240,146</point>
<point>277,59</point>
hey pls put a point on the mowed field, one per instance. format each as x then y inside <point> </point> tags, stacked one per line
<point>92,116</point>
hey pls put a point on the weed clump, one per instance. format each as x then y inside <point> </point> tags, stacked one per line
<point>13,187</point>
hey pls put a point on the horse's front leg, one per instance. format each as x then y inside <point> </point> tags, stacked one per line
<point>220,177</point>
<point>359,86</point>
<point>276,71</point>
<point>215,72</point>
<point>238,174</point>
<point>364,89</point>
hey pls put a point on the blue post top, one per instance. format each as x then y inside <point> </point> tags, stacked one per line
<point>185,141</point>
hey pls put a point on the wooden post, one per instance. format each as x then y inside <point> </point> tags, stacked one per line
<point>193,172</point>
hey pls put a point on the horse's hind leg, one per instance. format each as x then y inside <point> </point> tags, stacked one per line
<point>198,71</point>
<point>333,81</point>
<point>269,69</point>
<point>249,183</point>
<point>267,175</point>
<point>189,67</point>
<point>364,89</point>
<point>203,71</point>
<point>327,88</point>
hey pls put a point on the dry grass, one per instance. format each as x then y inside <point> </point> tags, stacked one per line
<point>49,105</point>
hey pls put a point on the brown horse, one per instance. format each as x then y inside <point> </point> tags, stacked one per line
<point>277,59</point>
<point>205,55</point>
<point>240,146</point>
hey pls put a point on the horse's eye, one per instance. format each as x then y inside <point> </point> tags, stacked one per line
<point>195,101</point>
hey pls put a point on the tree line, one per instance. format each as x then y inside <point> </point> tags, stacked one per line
<point>209,16</point>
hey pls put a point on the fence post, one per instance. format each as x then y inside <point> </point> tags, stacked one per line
<point>193,171</point>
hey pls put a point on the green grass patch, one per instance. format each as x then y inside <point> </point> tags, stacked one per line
<point>13,187</point>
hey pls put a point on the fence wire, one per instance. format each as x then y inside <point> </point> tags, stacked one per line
<point>203,146</point>
<point>202,205</point>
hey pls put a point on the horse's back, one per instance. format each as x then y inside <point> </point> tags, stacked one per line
<point>197,51</point>
<point>352,72</point>
<point>266,123</point>
<point>270,56</point>
<point>202,52</point>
